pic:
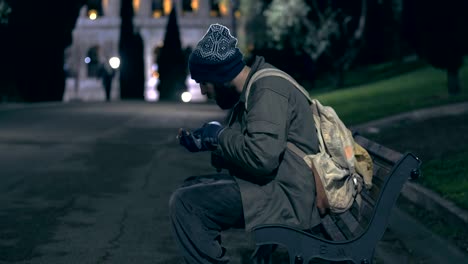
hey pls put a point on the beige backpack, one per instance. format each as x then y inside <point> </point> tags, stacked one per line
<point>341,167</point>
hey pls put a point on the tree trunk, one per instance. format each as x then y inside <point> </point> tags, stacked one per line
<point>340,78</point>
<point>453,81</point>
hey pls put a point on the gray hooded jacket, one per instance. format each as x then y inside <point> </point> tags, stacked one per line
<point>276,185</point>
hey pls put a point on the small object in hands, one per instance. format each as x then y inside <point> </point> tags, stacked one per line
<point>202,139</point>
<point>191,141</point>
<point>181,133</point>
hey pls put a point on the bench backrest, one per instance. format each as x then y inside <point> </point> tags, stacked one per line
<point>390,173</point>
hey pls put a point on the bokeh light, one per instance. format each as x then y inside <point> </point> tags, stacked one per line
<point>114,62</point>
<point>186,97</point>
<point>92,14</point>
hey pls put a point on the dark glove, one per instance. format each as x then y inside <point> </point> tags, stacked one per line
<point>190,141</point>
<point>202,139</point>
<point>209,134</point>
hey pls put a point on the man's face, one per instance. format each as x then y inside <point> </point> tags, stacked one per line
<point>225,95</point>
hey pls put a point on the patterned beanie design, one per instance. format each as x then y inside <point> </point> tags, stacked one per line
<point>216,58</point>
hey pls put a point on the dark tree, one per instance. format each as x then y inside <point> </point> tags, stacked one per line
<point>34,56</point>
<point>171,62</point>
<point>438,33</point>
<point>138,65</point>
<point>131,55</point>
<point>7,91</point>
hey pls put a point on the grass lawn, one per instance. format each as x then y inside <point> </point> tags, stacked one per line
<point>424,87</point>
<point>449,177</point>
<point>441,143</point>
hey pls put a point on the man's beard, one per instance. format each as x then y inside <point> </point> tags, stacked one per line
<point>226,95</point>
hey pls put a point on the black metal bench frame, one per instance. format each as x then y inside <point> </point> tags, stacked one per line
<point>359,248</point>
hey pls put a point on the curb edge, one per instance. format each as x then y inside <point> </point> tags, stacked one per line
<point>433,202</point>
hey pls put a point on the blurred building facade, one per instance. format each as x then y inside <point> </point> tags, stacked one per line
<point>97,32</point>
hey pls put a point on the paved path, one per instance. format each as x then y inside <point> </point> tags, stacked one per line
<point>90,182</point>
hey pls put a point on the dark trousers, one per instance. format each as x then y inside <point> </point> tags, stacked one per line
<point>200,209</point>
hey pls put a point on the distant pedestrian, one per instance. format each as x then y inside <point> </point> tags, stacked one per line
<point>107,74</point>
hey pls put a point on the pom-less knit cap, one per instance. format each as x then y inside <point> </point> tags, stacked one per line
<point>216,58</point>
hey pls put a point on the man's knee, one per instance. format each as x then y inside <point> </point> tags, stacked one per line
<point>178,202</point>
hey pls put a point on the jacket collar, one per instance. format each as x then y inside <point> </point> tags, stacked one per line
<point>256,65</point>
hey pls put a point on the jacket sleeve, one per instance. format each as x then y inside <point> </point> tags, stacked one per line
<point>259,148</point>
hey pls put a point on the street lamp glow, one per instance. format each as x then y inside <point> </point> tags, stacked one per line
<point>114,62</point>
<point>87,60</point>
<point>186,97</point>
<point>92,14</point>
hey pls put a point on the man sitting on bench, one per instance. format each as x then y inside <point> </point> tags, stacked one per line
<point>267,183</point>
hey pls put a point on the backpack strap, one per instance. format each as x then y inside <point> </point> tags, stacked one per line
<point>314,104</point>
<point>279,73</point>
<point>273,72</point>
<point>316,112</point>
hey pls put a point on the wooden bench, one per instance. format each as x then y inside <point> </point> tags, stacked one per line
<point>352,235</point>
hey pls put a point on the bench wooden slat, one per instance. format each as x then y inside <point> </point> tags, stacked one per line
<point>331,229</point>
<point>363,213</point>
<point>343,227</point>
<point>381,169</point>
<point>351,223</point>
<point>355,210</point>
<point>378,150</point>
<point>381,172</point>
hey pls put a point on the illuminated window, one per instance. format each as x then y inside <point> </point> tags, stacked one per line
<point>105,4</point>
<point>167,7</point>
<point>136,5</point>
<point>214,8</point>
<point>94,9</point>
<point>157,13</point>
<point>161,7</point>
<point>195,5</point>
<point>223,7</point>
<point>219,8</point>
<point>189,6</point>
<point>156,7</point>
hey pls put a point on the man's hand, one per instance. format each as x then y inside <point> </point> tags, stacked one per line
<point>190,141</point>
<point>209,134</point>
<point>202,139</point>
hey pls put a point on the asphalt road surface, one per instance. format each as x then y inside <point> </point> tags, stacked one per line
<point>90,183</point>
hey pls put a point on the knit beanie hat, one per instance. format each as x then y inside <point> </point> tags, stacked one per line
<point>216,58</point>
